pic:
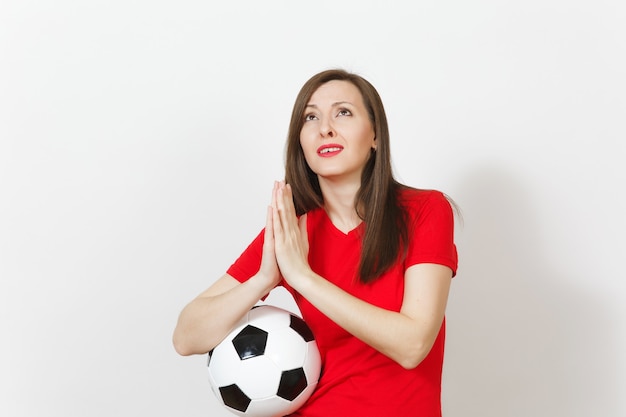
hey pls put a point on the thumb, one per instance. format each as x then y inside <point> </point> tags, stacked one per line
<point>303,231</point>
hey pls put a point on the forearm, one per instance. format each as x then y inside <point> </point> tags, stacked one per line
<point>207,319</point>
<point>406,336</point>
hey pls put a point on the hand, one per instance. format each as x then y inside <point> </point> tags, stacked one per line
<point>268,271</point>
<point>291,243</point>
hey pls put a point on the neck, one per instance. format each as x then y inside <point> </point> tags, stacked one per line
<point>339,199</point>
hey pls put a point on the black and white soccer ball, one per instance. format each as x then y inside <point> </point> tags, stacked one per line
<point>268,366</point>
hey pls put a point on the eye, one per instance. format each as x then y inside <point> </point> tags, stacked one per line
<point>310,116</point>
<point>344,112</point>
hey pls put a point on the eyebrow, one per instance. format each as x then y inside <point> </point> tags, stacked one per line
<point>335,104</point>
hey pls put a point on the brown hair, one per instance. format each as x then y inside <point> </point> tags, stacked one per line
<point>376,201</point>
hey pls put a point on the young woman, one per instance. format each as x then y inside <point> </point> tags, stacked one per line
<point>368,260</point>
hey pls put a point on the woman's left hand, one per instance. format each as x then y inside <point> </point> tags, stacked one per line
<point>290,236</point>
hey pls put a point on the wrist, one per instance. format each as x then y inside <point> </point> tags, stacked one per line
<point>262,283</point>
<point>304,282</point>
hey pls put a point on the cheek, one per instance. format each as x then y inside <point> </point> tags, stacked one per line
<point>307,140</point>
<point>367,138</point>
<point>307,147</point>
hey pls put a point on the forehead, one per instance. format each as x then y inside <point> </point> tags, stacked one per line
<point>336,91</point>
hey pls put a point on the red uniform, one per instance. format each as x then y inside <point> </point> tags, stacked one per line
<point>356,379</point>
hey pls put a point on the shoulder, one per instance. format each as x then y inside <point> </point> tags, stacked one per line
<point>415,200</point>
<point>426,206</point>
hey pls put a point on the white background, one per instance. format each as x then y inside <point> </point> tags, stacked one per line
<point>138,145</point>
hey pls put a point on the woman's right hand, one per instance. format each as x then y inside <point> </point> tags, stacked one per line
<point>269,274</point>
<point>208,318</point>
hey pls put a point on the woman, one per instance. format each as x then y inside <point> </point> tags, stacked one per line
<point>368,260</point>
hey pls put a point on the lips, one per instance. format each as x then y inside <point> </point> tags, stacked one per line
<point>328,150</point>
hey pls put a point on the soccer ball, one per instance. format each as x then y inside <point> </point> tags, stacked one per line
<point>268,366</point>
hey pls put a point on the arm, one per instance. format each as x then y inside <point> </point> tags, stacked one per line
<point>207,319</point>
<point>405,336</point>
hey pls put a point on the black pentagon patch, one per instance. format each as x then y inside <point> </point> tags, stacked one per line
<point>250,342</point>
<point>292,383</point>
<point>235,398</point>
<point>301,328</point>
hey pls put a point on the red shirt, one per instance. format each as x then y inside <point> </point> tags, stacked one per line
<point>356,379</point>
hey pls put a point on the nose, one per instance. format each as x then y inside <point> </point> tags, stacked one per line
<point>326,129</point>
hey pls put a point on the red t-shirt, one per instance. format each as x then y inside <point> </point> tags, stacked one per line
<point>356,379</point>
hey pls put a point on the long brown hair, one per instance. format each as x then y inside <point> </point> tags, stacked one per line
<point>376,202</point>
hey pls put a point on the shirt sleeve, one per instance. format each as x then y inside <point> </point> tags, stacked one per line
<point>249,261</point>
<point>431,235</point>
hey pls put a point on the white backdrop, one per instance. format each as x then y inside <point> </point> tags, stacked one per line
<point>138,145</point>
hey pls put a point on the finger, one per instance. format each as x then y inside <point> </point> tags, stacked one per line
<point>268,255</point>
<point>274,194</point>
<point>286,208</point>
<point>302,226</point>
<point>276,224</point>
<point>288,200</point>
<point>303,231</point>
<point>269,227</point>
<point>276,207</point>
<point>280,201</point>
